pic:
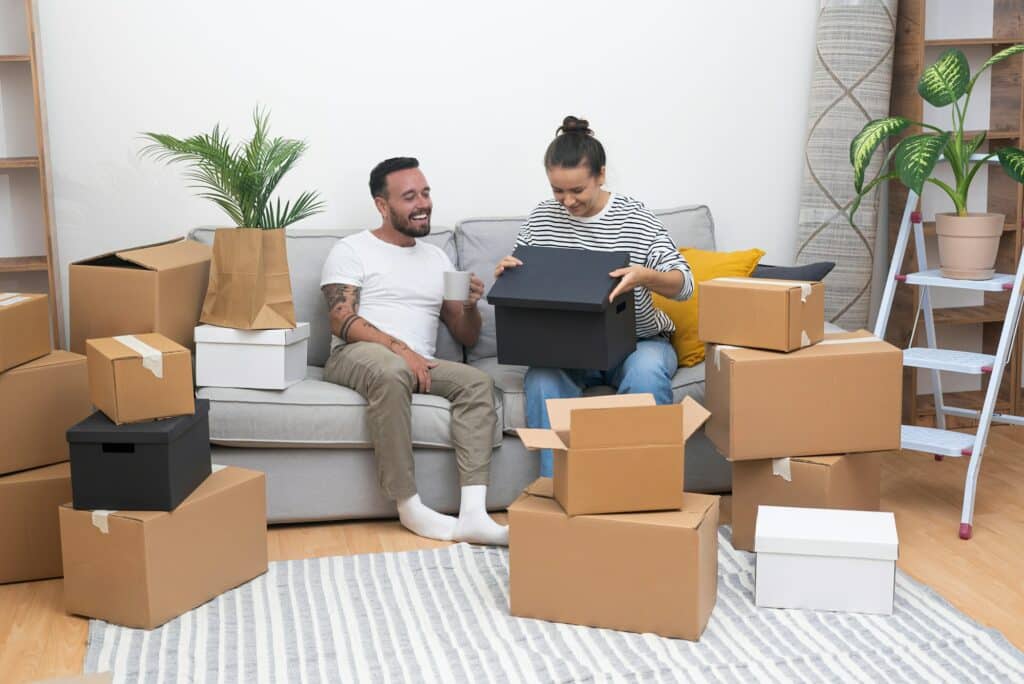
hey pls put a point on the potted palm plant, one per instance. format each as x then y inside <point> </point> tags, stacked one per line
<point>249,287</point>
<point>968,242</point>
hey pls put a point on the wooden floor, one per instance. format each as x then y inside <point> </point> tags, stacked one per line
<point>983,577</point>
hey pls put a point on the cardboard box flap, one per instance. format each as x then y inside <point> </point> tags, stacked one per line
<point>54,358</point>
<point>860,341</point>
<point>11,299</point>
<point>167,255</point>
<point>694,415</point>
<point>534,438</point>
<point>58,471</point>
<point>559,410</point>
<point>626,426</point>
<point>542,486</point>
<point>114,350</point>
<point>279,337</point>
<point>826,532</point>
<point>804,286</point>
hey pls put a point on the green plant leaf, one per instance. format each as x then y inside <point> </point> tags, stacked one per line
<point>916,157</point>
<point>863,146</point>
<point>1012,161</point>
<point>995,59</point>
<point>945,81</point>
<point>973,146</point>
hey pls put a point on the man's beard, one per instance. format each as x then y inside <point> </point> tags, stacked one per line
<point>404,226</point>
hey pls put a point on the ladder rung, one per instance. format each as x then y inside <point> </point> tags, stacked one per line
<point>948,360</point>
<point>933,278</point>
<point>935,441</point>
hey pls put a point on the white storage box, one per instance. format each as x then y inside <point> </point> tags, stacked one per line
<point>251,359</point>
<point>821,559</point>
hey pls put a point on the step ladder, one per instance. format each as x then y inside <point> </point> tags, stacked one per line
<point>940,441</point>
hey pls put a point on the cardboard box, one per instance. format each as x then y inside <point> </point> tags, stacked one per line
<point>637,572</point>
<point>140,377</point>
<point>842,395</point>
<point>39,401</point>
<point>150,466</point>
<point>29,529</point>
<point>763,313</point>
<point>617,453</point>
<point>157,288</point>
<point>143,568</point>
<point>841,482</point>
<point>24,328</point>
<point>819,559</point>
<point>251,359</point>
<point>553,311</point>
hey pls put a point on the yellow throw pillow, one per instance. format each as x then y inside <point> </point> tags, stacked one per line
<point>705,266</point>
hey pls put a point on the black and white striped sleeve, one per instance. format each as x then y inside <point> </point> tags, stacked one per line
<point>663,256</point>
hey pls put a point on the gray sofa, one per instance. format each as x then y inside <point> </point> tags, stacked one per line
<point>311,439</point>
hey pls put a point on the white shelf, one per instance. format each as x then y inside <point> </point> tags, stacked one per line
<point>1000,282</point>
<point>948,360</point>
<point>934,441</point>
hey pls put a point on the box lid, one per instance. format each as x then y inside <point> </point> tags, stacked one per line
<point>160,256</point>
<point>11,299</point>
<point>54,358</point>
<point>558,278</point>
<point>58,471</point>
<point>826,532</point>
<point>834,344</point>
<point>280,337</point>
<point>804,286</point>
<point>99,428</point>
<point>615,420</point>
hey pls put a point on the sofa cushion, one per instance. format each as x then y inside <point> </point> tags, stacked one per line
<point>307,251</point>
<point>482,242</point>
<point>316,413</point>
<point>508,380</point>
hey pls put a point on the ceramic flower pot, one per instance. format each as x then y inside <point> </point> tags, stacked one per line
<point>968,244</point>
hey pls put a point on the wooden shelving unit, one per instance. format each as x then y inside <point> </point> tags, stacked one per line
<point>20,63</point>
<point>1006,121</point>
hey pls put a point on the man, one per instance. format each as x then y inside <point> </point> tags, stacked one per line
<point>385,292</point>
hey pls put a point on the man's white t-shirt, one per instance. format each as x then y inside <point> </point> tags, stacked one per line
<point>402,288</point>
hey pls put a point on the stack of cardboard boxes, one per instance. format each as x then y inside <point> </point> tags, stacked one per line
<point>796,411</point>
<point>153,529</point>
<point>42,393</point>
<point>612,540</point>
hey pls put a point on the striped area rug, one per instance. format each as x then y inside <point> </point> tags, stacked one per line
<point>442,616</point>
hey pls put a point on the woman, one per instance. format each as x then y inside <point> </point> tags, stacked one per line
<point>583,215</point>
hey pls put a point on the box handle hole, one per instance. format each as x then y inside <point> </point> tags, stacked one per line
<point>109,448</point>
<point>620,307</point>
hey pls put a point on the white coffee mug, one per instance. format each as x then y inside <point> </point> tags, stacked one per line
<point>456,285</point>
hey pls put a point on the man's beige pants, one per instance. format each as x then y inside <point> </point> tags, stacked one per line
<point>387,383</point>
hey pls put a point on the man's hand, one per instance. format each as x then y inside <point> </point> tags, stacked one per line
<point>419,366</point>
<point>476,291</point>
<point>632,276</point>
<point>507,262</point>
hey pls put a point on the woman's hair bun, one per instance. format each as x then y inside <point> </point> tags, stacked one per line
<point>571,124</point>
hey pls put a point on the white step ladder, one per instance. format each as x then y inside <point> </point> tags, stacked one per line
<point>940,441</point>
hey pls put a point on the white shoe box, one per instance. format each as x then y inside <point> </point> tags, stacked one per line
<point>251,359</point>
<point>819,559</point>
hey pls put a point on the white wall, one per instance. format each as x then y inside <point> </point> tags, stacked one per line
<point>695,102</point>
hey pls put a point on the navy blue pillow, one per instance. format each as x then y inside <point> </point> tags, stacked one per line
<point>811,272</point>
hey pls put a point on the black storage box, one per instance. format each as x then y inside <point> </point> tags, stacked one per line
<point>553,311</point>
<point>149,466</point>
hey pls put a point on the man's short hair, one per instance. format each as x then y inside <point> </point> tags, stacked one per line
<point>379,175</point>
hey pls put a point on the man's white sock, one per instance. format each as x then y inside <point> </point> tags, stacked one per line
<point>474,525</point>
<point>425,521</point>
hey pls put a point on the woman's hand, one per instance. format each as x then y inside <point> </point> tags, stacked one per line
<point>633,276</point>
<point>507,262</point>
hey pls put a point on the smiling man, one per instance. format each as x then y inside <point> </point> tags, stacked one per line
<point>385,294</point>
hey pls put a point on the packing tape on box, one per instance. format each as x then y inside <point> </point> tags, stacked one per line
<point>781,468</point>
<point>152,359</point>
<point>216,467</point>
<point>101,520</point>
<point>12,300</point>
<point>805,287</point>
<point>852,340</point>
<point>718,354</point>
<point>805,339</point>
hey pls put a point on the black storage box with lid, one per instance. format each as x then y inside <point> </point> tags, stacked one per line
<point>151,466</point>
<point>553,311</point>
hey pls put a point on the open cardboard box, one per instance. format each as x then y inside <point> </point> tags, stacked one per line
<point>638,572</point>
<point>156,288</point>
<point>617,453</point>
